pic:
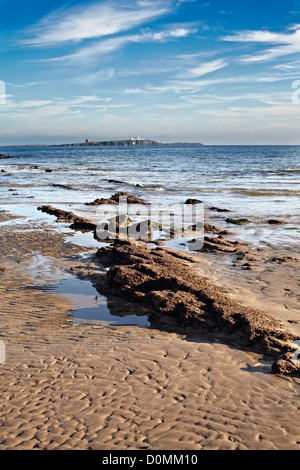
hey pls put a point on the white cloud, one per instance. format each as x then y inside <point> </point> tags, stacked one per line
<point>269,115</point>
<point>34,110</point>
<point>284,43</point>
<point>135,91</point>
<point>106,46</point>
<point>34,103</point>
<point>88,99</point>
<point>88,21</point>
<point>274,98</point>
<point>193,86</point>
<point>204,68</point>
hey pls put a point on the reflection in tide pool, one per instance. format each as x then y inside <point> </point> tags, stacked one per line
<point>88,305</point>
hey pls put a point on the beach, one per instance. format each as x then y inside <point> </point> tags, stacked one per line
<point>149,228</point>
<point>149,345</point>
<point>69,384</point>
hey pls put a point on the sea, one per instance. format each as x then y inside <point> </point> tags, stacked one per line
<point>257,183</point>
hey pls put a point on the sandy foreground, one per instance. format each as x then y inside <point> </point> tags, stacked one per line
<point>103,387</point>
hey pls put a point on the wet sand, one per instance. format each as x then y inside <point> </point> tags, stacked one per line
<point>92,386</point>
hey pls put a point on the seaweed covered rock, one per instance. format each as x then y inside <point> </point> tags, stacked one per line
<point>116,198</point>
<point>165,281</point>
<point>77,222</point>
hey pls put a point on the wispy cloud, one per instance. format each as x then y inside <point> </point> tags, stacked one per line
<point>271,98</point>
<point>59,107</point>
<point>284,43</point>
<point>106,46</point>
<point>87,21</point>
<point>273,115</point>
<point>204,68</point>
<point>190,87</point>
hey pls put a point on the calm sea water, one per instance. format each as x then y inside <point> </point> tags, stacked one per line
<point>256,182</point>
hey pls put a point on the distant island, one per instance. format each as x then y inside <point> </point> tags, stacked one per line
<point>137,141</point>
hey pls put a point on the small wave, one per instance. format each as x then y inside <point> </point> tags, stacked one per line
<point>285,172</point>
<point>96,169</point>
<point>127,183</point>
<point>154,188</point>
<point>266,192</point>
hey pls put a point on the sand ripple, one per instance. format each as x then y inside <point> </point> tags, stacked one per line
<point>102,387</point>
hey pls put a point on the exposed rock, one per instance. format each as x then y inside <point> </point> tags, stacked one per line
<point>217,209</point>
<point>168,285</point>
<point>63,186</point>
<point>193,201</point>
<point>276,222</point>
<point>221,245</point>
<point>115,200</point>
<point>117,227</point>
<point>77,222</point>
<point>238,221</point>
<point>286,365</point>
<point>285,259</point>
<point>117,181</point>
<point>208,228</point>
<point>248,266</point>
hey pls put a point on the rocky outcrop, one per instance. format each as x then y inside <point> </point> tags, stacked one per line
<point>193,201</point>
<point>63,186</point>
<point>122,226</point>
<point>165,282</point>
<point>77,222</point>
<point>218,209</point>
<point>115,198</point>
<point>276,222</point>
<point>238,221</point>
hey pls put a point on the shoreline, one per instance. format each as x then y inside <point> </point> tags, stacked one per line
<point>125,387</point>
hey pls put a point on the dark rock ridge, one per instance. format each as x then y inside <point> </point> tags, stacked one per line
<point>276,222</point>
<point>114,199</point>
<point>218,209</point>
<point>238,221</point>
<point>63,186</point>
<point>109,232</point>
<point>193,201</point>
<point>2,156</point>
<point>145,228</point>
<point>165,282</point>
<point>77,222</point>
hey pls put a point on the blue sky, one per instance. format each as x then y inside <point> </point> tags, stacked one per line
<point>217,72</point>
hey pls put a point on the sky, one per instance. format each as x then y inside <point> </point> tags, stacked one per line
<point>220,72</point>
